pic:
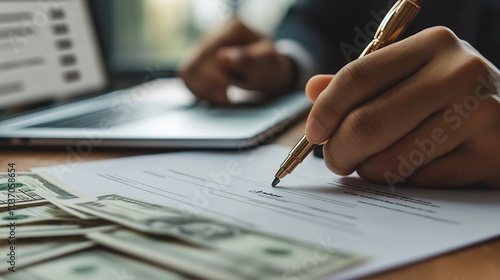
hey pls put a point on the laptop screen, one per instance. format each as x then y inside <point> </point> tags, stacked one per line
<point>48,50</point>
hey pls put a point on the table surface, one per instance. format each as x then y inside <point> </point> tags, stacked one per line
<point>481,261</point>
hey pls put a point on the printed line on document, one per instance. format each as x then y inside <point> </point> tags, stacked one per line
<point>127,183</point>
<point>350,205</point>
<point>164,176</point>
<point>118,178</point>
<point>310,220</point>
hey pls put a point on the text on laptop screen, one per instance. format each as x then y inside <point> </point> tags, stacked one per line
<point>48,49</point>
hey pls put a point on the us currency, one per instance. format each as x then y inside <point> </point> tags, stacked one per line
<point>31,188</point>
<point>79,228</point>
<point>36,213</point>
<point>69,210</point>
<point>198,262</point>
<point>277,252</point>
<point>95,264</point>
<point>34,251</point>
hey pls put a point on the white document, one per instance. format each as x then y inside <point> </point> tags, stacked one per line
<point>391,227</point>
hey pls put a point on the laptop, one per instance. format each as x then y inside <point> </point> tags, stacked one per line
<point>49,50</point>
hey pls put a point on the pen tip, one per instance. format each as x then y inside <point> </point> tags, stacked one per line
<point>275,182</point>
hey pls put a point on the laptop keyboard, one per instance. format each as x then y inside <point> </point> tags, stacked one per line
<point>107,117</point>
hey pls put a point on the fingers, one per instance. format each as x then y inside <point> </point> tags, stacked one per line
<point>412,112</point>
<point>202,74</point>
<point>256,66</point>
<point>377,124</point>
<point>236,55</point>
<point>426,143</point>
<point>316,85</point>
<point>230,60</point>
<point>362,80</point>
<point>455,147</point>
<point>207,83</point>
<point>476,160</point>
<point>387,106</point>
<point>453,170</point>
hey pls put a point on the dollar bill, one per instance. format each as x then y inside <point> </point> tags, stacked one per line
<point>79,228</point>
<point>198,262</point>
<point>69,210</point>
<point>27,188</point>
<point>29,252</point>
<point>95,264</point>
<point>36,213</point>
<point>275,251</point>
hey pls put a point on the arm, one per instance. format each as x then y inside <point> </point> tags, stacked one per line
<point>333,32</point>
<point>235,55</point>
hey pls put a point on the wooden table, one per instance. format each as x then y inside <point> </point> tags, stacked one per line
<point>477,262</point>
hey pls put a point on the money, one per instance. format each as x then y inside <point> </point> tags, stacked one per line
<point>95,264</point>
<point>194,245</point>
<point>278,253</point>
<point>31,188</point>
<point>54,230</point>
<point>34,251</point>
<point>198,262</point>
<point>69,210</point>
<point>36,213</point>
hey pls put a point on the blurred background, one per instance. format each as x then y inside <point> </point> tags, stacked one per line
<point>160,34</point>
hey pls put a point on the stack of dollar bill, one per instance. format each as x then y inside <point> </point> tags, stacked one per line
<point>57,233</point>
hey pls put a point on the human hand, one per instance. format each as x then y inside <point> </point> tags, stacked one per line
<point>236,56</point>
<point>424,111</point>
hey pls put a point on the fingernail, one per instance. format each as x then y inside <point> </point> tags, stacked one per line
<point>316,132</point>
<point>233,55</point>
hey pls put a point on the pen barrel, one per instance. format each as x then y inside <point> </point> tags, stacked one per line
<point>302,149</point>
<point>295,157</point>
<point>394,24</point>
<point>289,165</point>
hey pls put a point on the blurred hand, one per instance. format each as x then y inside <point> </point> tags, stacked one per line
<point>236,55</point>
<point>424,111</point>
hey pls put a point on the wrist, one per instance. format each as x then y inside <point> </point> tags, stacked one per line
<point>289,75</point>
<point>304,64</point>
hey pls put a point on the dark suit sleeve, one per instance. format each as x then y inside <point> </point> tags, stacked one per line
<point>477,22</point>
<point>334,32</point>
<point>489,34</point>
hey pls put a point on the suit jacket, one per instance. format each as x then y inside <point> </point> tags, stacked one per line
<point>336,31</point>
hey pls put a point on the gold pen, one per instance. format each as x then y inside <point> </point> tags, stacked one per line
<point>393,24</point>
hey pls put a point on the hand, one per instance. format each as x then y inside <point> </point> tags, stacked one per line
<point>236,56</point>
<point>424,111</point>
